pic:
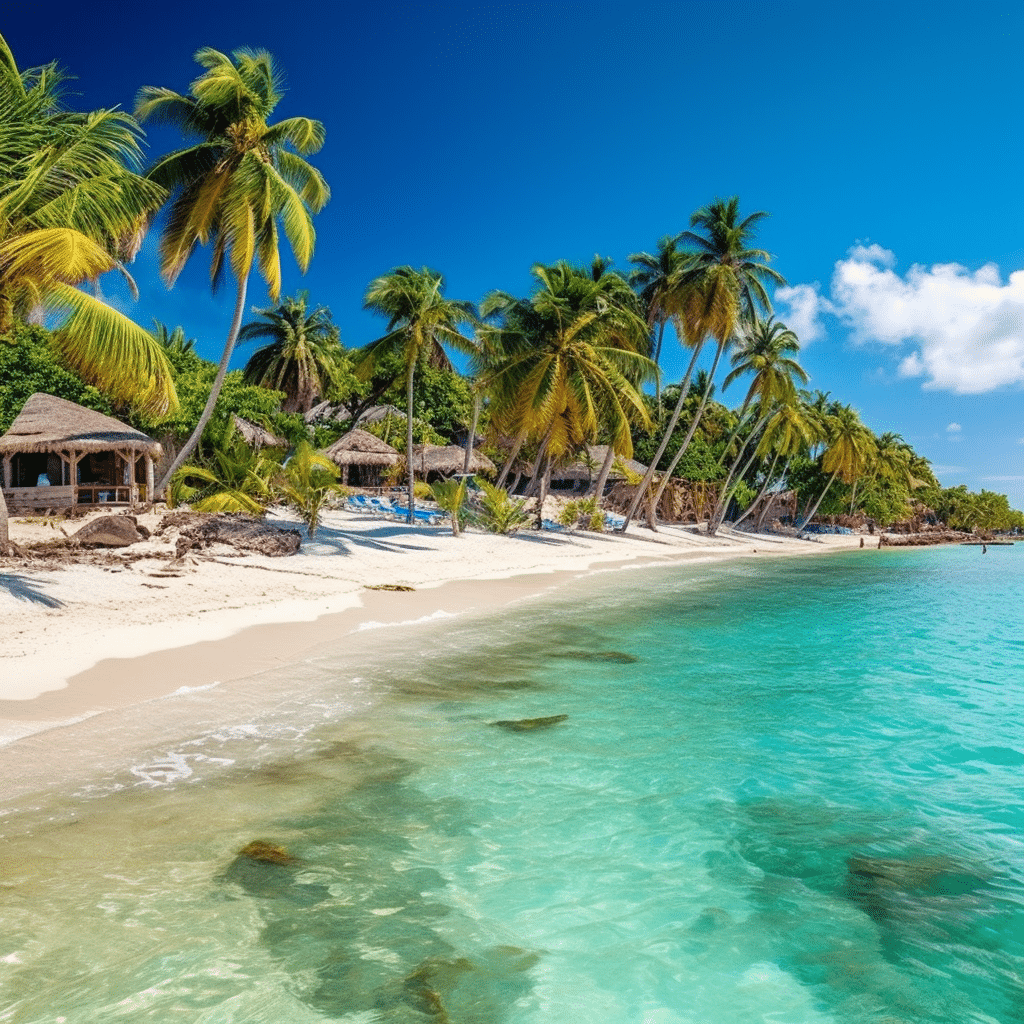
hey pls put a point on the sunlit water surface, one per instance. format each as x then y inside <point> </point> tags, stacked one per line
<point>785,792</point>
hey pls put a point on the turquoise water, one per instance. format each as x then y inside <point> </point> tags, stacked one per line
<point>786,793</point>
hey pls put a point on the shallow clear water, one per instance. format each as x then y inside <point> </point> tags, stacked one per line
<point>786,793</point>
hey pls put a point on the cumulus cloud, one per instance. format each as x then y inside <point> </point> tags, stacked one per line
<point>954,428</point>
<point>805,306</point>
<point>964,330</point>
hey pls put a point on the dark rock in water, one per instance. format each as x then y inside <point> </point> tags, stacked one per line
<point>616,657</point>
<point>528,724</point>
<point>389,586</point>
<point>267,853</point>
<point>110,532</point>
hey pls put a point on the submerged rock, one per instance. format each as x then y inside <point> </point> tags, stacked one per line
<point>528,724</point>
<point>267,853</point>
<point>615,657</point>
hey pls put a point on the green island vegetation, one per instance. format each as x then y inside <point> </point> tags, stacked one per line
<point>533,382</point>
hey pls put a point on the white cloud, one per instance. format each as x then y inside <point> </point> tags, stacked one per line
<point>805,308</point>
<point>954,428</point>
<point>966,329</point>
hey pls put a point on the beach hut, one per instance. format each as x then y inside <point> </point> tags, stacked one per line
<point>585,470</point>
<point>256,436</point>
<point>59,455</point>
<point>432,461</point>
<point>368,455</point>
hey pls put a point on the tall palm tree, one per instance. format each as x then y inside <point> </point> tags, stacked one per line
<point>421,321</point>
<point>576,358</point>
<point>765,352</point>
<point>722,284</point>
<point>173,340</point>
<point>849,449</point>
<point>239,178</point>
<point>71,209</point>
<point>656,276</point>
<point>304,357</point>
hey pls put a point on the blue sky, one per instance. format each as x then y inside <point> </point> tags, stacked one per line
<point>884,139</point>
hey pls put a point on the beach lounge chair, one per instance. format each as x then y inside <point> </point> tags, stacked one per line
<point>614,521</point>
<point>550,524</point>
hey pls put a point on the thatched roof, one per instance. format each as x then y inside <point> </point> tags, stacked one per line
<point>580,471</point>
<point>448,459</point>
<point>50,424</point>
<point>360,448</point>
<point>256,436</point>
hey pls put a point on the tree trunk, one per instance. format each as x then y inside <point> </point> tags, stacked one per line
<point>602,477</point>
<point>409,375</point>
<point>653,467</point>
<point>764,512</point>
<point>725,496</point>
<point>516,449</point>
<point>761,493</point>
<point>535,477</point>
<point>472,432</point>
<point>689,434</point>
<point>5,535</point>
<point>222,369</point>
<point>810,515</point>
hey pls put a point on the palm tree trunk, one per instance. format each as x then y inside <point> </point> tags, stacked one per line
<point>602,477</point>
<point>409,375</point>
<point>810,515</point>
<point>472,432</point>
<point>653,467</point>
<point>689,434</point>
<point>759,526</point>
<point>535,477</point>
<point>761,493</point>
<point>218,381</point>
<point>5,535</point>
<point>516,449</point>
<point>726,494</point>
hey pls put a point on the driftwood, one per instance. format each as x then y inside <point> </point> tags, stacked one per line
<point>240,531</point>
<point>913,540</point>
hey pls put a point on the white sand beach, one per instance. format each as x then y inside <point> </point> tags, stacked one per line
<point>85,639</point>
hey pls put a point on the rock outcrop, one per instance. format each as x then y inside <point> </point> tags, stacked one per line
<point>111,532</point>
<point>236,529</point>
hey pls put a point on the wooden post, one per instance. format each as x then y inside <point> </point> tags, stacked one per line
<point>7,472</point>
<point>74,457</point>
<point>150,479</point>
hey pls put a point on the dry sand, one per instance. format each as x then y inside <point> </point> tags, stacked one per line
<point>85,639</point>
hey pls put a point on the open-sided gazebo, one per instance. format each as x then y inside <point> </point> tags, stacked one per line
<point>361,451</point>
<point>59,455</point>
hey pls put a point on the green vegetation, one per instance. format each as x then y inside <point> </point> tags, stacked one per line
<point>547,374</point>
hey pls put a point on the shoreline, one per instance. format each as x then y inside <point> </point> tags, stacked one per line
<point>107,639</point>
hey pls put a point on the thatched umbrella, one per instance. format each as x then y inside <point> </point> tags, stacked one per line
<point>256,436</point>
<point>360,448</point>
<point>69,433</point>
<point>447,460</point>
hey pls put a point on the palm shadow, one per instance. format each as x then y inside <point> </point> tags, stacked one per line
<point>24,588</point>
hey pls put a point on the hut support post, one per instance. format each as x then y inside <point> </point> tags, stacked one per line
<point>7,472</point>
<point>150,479</point>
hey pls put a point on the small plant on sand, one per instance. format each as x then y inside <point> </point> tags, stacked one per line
<point>584,514</point>
<point>450,495</point>
<point>307,481</point>
<point>236,478</point>
<point>497,512</point>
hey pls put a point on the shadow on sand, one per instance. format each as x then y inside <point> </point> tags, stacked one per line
<point>24,588</point>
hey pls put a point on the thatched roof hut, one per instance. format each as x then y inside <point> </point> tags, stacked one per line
<point>361,449</point>
<point>581,471</point>
<point>446,460</point>
<point>256,436</point>
<point>59,455</point>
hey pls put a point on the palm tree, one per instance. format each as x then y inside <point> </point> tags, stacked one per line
<point>71,209</point>
<point>173,341</point>
<point>849,450</point>
<point>236,181</point>
<point>576,357</point>
<point>657,278</point>
<point>765,352</point>
<point>421,321</point>
<point>304,357</point>
<point>721,284</point>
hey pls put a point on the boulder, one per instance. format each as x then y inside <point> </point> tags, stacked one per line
<point>110,532</point>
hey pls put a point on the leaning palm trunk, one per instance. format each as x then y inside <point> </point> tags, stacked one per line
<point>761,493</point>
<point>810,515</point>
<point>602,477</point>
<point>684,389</point>
<point>732,481</point>
<point>411,475</point>
<point>764,512</point>
<point>689,436</point>
<point>218,381</point>
<point>472,433</point>
<point>516,449</point>
<point>540,466</point>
